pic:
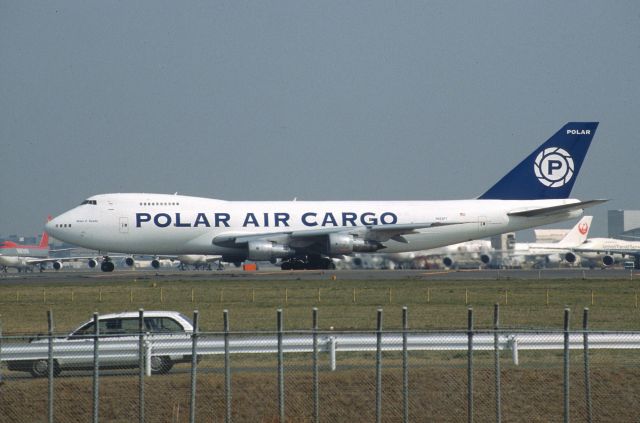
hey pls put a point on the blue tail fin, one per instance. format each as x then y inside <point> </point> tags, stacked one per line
<point>550,171</point>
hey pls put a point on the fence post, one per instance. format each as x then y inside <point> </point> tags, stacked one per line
<point>565,383</point>
<point>587,376</point>
<point>50,365</point>
<point>405,366</point>
<point>496,348</point>
<point>194,365</point>
<point>96,367</point>
<point>316,393</point>
<point>470,365</point>
<point>379,367</point>
<point>280,329</point>
<point>227,368</point>
<point>141,361</point>
<point>0,350</point>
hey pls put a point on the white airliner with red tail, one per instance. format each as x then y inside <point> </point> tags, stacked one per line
<point>307,234</point>
<point>24,257</point>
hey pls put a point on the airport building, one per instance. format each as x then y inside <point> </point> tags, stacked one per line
<point>624,224</point>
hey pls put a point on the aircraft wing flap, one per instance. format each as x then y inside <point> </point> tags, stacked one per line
<point>548,211</point>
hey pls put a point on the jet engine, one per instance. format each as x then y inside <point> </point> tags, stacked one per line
<point>155,263</point>
<point>129,261</point>
<point>266,250</point>
<point>447,261</point>
<point>485,258</point>
<point>608,260</point>
<point>107,266</point>
<point>92,263</point>
<point>57,265</point>
<point>570,257</point>
<point>341,244</point>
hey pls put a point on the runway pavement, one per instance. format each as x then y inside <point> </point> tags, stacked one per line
<point>272,273</point>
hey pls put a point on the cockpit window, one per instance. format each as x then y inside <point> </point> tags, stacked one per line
<point>93,202</point>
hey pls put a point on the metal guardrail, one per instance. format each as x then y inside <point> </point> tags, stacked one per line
<point>96,349</point>
<point>332,343</point>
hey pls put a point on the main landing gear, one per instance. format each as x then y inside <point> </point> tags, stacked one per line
<point>308,263</point>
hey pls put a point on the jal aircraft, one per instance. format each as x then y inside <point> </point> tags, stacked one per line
<point>307,234</point>
<point>544,253</point>
<point>607,251</point>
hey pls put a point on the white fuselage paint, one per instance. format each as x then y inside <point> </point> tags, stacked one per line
<point>16,261</point>
<point>113,222</point>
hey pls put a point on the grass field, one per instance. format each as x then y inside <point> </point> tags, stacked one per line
<point>532,391</point>
<point>342,304</point>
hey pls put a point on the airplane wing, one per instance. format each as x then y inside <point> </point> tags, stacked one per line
<point>624,251</point>
<point>36,261</point>
<point>376,233</point>
<point>548,211</point>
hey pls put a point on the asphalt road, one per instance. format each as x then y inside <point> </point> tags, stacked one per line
<point>120,275</point>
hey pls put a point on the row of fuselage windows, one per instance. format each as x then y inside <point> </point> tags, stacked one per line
<point>63,225</point>
<point>94,202</point>
<point>159,204</point>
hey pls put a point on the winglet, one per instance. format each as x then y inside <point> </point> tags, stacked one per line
<point>551,170</point>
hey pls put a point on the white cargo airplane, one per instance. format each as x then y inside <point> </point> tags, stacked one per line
<point>306,234</point>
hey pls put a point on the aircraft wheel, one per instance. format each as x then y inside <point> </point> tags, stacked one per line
<point>299,265</point>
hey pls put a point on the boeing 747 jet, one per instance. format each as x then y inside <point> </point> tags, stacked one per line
<point>307,234</point>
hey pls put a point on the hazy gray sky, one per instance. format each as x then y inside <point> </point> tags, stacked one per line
<point>321,100</point>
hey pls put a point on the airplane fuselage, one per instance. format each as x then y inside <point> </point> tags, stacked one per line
<point>173,224</point>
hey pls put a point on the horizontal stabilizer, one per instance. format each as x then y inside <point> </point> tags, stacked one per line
<point>548,211</point>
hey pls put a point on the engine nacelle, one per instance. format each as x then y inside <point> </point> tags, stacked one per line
<point>155,263</point>
<point>57,265</point>
<point>608,260</point>
<point>129,261</point>
<point>485,258</point>
<point>570,257</point>
<point>553,258</point>
<point>447,261</point>
<point>92,263</point>
<point>107,266</point>
<point>343,244</point>
<point>267,251</point>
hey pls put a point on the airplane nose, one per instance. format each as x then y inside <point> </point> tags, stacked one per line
<point>50,226</point>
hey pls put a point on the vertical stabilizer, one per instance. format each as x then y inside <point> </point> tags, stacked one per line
<point>551,170</point>
<point>578,234</point>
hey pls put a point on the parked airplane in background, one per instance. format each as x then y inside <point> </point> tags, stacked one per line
<point>307,234</point>
<point>606,251</point>
<point>545,253</point>
<point>10,248</point>
<point>200,261</point>
<point>24,257</point>
<point>469,254</point>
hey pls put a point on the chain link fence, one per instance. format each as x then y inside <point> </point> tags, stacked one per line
<point>496,374</point>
